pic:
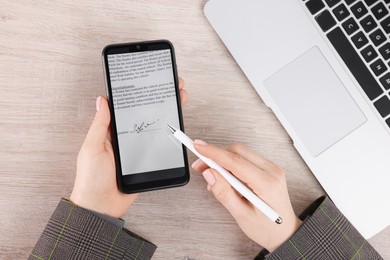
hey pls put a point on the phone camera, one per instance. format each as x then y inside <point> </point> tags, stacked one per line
<point>138,47</point>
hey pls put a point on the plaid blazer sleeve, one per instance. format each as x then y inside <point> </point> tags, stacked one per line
<point>324,234</point>
<point>76,233</point>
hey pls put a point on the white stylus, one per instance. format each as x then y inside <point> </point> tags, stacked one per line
<point>236,184</point>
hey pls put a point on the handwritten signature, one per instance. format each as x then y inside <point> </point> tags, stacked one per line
<point>144,126</point>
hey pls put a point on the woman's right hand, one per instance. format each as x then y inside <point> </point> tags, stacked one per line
<point>266,180</point>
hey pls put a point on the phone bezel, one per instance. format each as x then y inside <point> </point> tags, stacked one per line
<point>141,182</point>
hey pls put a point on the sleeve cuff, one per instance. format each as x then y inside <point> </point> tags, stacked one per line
<point>118,222</point>
<point>76,233</point>
<point>324,234</point>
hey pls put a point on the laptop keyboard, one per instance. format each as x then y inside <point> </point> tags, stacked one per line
<point>360,33</point>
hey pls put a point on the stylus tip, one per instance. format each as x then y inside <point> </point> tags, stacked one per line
<point>173,130</point>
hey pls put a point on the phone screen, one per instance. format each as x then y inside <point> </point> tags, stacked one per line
<point>144,99</point>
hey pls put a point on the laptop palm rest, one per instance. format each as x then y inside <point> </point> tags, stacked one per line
<point>314,101</point>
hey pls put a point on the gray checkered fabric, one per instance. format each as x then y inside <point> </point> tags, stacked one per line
<point>324,234</point>
<point>76,233</point>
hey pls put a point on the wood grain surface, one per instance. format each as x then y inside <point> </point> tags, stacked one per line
<point>50,75</point>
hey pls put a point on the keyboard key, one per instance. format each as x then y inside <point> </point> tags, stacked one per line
<point>368,23</point>
<point>315,6</point>
<point>355,64</point>
<point>341,12</point>
<point>377,37</point>
<point>359,10</point>
<point>332,3</point>
<point>351,1</point>
<point>359,40</point>
<point>385,80</point>
<point>379,11</point>
<point>350,26</point>
<point>325,20</point>
<point>370,2</point>
<point>383,106</point>
<point>385,51</point>
<point>369,53</point>
<point>387,1</point>
<point>378,67</point>
<point>388,122</point>
<point>386,24</point>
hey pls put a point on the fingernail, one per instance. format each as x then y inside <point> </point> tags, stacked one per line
<point>98,102</point>
<point>209,177</point>
<point>194,164</point>
<point>208,187</point>
<point>201,142</point>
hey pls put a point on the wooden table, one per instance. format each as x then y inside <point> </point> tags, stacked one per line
<point>50,75</point>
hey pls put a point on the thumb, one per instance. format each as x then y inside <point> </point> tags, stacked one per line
<point>98,131</point>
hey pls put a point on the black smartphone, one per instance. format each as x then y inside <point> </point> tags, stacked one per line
<point>143,92</point>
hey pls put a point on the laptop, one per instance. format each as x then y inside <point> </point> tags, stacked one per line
<point>323,67</point>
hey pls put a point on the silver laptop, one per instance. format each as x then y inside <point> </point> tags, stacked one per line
<point>323,67</point>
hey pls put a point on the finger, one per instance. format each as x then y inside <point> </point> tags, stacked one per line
<point>238,207</point>
<point>199,165</point>
<point>235,163</point>
<point>97,133</point>
<point>252,157</point>
<point>183,96</point>
<point>181,83</point>
<point>257,184</point>
<point>109,137</point>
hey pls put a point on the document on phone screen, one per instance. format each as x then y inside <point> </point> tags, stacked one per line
<point>144,99</point>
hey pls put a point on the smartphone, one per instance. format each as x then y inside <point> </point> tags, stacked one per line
<point>143,93</point>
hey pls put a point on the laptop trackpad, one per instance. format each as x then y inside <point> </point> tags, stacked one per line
<point>314,101</point>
